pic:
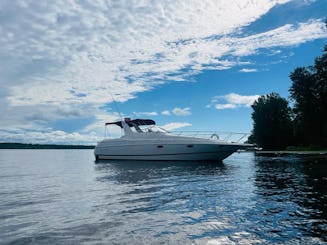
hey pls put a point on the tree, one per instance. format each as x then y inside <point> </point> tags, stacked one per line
<point>272,119</point>
<point>309,92</point>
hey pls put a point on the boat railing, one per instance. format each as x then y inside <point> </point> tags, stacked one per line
<point>233,137</point>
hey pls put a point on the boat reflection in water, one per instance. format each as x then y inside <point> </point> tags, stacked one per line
<point>133,172</point>
<point>143,141</point>
<point>156,186</point>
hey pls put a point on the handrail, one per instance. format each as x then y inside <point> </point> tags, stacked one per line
<point>223,135</point>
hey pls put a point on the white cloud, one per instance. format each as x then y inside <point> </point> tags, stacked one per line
<point>74,57</point>
<point>102,117</point>
<point>177,112</point>
<point>287,35</point>
<point>145,113</point>
<point>181,111</point>
<point>175,125</point>
<point>30,124</point>
<point>48,137</point>
<point>241,99</point>
<point>232,101</point>
<point>247,70</point>
<point>225,106</point>
<point>166,113</point>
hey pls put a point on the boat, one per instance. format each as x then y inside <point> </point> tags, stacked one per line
<point>142,140</point>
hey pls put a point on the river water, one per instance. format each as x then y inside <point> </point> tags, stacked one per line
<point>63,196</point>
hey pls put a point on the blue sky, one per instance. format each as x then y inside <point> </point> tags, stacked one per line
<point>189,65</point>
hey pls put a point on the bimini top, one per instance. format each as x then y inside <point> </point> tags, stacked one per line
<point>135,122</point>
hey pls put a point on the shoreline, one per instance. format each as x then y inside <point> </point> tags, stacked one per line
<point>25,146</point>
<point>322,154</point>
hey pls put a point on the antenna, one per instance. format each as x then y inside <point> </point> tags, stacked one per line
<point>116,106</point>
<point>117,109</point>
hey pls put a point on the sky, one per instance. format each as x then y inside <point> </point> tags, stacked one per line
<point>69,66</point>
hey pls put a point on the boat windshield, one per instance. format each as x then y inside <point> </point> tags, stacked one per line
<point>154,129</point>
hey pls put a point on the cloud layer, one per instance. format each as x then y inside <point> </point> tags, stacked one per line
<point>176,125</point>
<point>66,59</point>
<point>232,101</point>
<point>91,50</point>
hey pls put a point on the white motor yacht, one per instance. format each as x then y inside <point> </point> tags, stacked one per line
<point>141,140</point>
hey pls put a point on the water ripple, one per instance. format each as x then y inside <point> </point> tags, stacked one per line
<point>244,200</point>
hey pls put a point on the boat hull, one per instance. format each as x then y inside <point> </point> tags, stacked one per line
<point>166,152</point>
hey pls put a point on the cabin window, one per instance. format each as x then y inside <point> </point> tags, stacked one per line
<point>159,146</point>
<point>190,146</point>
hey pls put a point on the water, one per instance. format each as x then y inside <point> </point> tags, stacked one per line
<point>62,196</point>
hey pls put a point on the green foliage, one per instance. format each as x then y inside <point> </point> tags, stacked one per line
<point>309,92</point>
<point>272,127</point>
<point>305,148</point>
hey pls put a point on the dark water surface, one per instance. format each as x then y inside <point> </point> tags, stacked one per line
<point>62,196</point>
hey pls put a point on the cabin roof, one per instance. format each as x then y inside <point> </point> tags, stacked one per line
<point>132,123</point>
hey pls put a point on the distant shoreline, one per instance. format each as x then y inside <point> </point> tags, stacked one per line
<point>42,146</point>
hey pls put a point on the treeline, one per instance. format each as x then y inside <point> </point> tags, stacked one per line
<point>42,146</point>
<point>276,125</point>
